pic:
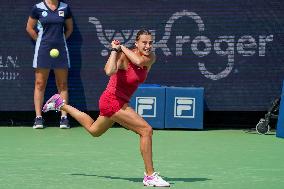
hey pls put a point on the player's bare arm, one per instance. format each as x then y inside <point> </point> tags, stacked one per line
<point>115,59</point>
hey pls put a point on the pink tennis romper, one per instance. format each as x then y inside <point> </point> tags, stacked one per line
<point>120,88</point>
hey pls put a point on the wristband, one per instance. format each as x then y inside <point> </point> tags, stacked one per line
<point>114,49</point>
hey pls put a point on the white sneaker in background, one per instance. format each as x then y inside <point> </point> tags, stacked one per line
<point>38,124</point>
<point>64,123</point>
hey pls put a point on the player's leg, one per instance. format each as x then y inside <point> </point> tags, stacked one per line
<point>41,77</point>
<point>95,128</point>
<point>128,118</point>
<point>61,77</point>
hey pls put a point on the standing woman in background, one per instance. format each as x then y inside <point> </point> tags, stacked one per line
<point>54,24</point>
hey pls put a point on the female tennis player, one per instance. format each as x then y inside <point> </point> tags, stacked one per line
<point>127,68</point>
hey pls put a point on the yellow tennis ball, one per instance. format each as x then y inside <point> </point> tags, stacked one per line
<point>54,53</point>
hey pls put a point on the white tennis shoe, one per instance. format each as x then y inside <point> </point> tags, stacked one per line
<point>155,180</point>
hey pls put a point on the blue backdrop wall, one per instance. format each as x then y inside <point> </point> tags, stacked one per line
<point>234,49</point>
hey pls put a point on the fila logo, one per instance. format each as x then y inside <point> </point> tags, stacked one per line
<point>146,106</point>
<point>184,107</point>
<point>61,13</point>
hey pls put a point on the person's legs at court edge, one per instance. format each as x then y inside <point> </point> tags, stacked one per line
<point>61,77</point>
<point>41,77</point>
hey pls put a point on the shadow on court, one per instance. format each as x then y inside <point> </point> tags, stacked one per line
<point>253,131</point>
<point>140,178</point>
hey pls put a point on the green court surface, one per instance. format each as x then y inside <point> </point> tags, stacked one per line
<point>72,159</point>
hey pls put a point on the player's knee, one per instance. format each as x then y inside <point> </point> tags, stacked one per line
<point>62,86</point>
<point>147,131</point>
<point>95,134</point>
<point>40,85</point>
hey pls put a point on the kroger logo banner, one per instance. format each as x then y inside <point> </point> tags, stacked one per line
<point>234,49</point>
<point>246,45</point>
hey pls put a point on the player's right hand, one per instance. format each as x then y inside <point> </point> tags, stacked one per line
<point>115,44</point>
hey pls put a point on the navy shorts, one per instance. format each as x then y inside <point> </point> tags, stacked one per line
<point>42,59</point>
